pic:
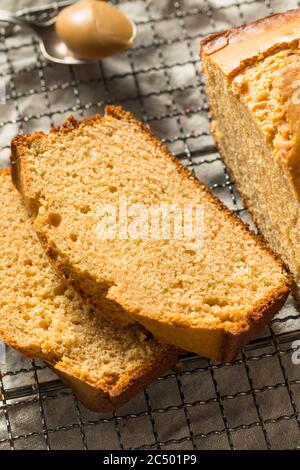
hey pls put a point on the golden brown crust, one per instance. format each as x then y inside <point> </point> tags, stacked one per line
<point>223,343</point>
<point>234,48</point>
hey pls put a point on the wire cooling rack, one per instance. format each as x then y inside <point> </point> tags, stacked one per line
<point>251,403</point>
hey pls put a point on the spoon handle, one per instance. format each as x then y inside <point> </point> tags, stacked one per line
<point>9,18</point>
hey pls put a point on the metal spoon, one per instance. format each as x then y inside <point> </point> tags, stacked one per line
<point>51,46</point>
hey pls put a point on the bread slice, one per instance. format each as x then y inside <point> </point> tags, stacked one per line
<point>253,82</point>
<point>40,316</point>
<point>209,299</point>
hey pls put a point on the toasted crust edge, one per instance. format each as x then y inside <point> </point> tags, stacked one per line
<point>228,342</point>
<point>236,47</point>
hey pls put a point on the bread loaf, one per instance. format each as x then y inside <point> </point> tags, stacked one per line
<point>209,299</point>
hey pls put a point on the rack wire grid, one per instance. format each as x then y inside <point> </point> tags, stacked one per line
<point>251,403</point>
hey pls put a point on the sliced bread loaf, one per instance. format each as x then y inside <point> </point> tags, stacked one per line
<point>252,79</point>
<point>209,299</point>
<point>104,363</point>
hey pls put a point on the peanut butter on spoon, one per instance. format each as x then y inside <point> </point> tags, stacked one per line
<point>94,29</point>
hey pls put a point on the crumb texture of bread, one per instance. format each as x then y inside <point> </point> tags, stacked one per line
<point>42,317</point>
<point>203,299</point>
<point>255,108</point>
